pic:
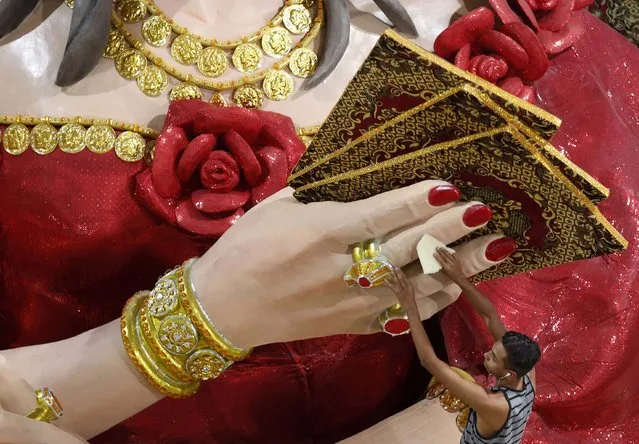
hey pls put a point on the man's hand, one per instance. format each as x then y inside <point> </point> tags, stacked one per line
<point>451,266</point>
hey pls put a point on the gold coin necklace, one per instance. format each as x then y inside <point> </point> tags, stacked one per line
<point>135,61</point>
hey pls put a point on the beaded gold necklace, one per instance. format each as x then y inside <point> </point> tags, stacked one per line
<point>135,61</point>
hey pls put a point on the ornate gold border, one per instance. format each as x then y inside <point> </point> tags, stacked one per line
<point>472,77</point>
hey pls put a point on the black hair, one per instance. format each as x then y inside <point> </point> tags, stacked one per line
<point>522,352</point>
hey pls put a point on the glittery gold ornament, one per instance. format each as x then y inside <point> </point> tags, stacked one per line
<point>303,62</point>
<point>307,140</point>
<point>115,45</point>
<point>153,81</point>
<point>247,57</point>
<point>130,63</point>
<point>16,139</point>
<point>277,85</point>
<point>156,31</point>
<point>217,99</point>
<point>297,19</point>
<point>277,42</point>
<point>71,138</point>
<point>149,152</point>
<point>100,138</point>
<point>130,146</point>
<point>212,62</point>
<point>185,49</point>
<point>44,138</point>
<point>248,96</point>
<point>131,11</point>
<point>185,91</point>
<point>70,3</point>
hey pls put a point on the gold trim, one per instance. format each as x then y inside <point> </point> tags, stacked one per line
<point>399,159</point>
<point>472,78</point>
<point>375,131</point>
<point>6,119</point>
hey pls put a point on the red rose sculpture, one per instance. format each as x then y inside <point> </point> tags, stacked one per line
<point>515,54</point>
<point>211,164</point>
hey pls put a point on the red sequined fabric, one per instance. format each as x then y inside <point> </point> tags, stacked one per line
<point>585,315</point>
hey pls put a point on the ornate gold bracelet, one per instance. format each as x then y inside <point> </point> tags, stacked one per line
<point>171,339</point>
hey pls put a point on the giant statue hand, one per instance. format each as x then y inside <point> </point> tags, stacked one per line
<point>17,401</point>
<point>276,275</point>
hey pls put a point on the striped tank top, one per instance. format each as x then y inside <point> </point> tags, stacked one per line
<point>520,404</point>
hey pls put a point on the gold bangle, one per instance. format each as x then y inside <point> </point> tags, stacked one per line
<point>143,358</point>
<point>204,323</point>
<point>170,338</point>
<point>48,408</point>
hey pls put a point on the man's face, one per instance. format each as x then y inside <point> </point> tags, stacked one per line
<point>495,360</point>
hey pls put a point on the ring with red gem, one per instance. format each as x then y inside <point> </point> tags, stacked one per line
<point>370,269</point>
<point>394,321</point>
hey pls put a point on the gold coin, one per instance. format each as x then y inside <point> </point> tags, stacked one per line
<point>185,91</point>
<point>131,11</point>
<point>212,62</point>
<point>153,81</point>
<point>115,45</point>
<point>248,96</point>
<point>217,99</point>
<point>44,138</point>
<point>16,139</point>
<point>185,49</point>
<point>130,63</point>
<point>71,138</point>
<point>130,146</point>
<point>277,42</point>
<point>156,31</point>
<point>100,138</point>
<point>303,62</point>
<point>297,19</point>
<point>247,57</point>
<point>277,85</point>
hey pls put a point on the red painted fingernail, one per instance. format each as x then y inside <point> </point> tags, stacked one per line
<point>500,249</point>
<point>477,215</point>
<point>443,194</point>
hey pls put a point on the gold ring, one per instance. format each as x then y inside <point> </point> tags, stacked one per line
<point>394,321</point>
<point>370,269</point>
<point>49,408</point>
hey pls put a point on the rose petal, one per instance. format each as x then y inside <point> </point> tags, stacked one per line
<point>147,195</point>
<point>513,52</point>
<point>555,20</point>
<point>218,120</point>
<point>182,113</point>
<point>464,31</point>
<point>528,12</point>
<point>462,58</point>
<point>491,68</point>
<point>190,219</point>
<point>513,85</point>
<point>542,5</point>
<point>537,58</point>
<point>504,11</point>
<point>556,42</point>
<point>581,4</point>
<point>245,156</point>
<point>286,140</point>
<point>220,172</point>
<point>168,146</point>
<point>208,202</point>
<point>528,94</point>
<point>274,163</point>
<point>194,155</point>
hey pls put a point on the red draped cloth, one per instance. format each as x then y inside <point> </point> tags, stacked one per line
<point>585,314</point>
<point>75,245</point>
